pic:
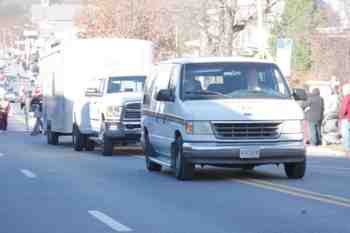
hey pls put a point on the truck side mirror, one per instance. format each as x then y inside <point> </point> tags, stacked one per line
<point>165,95</point>
<point>299,94</point>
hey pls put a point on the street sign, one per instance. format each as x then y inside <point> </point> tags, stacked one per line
<point>284,55</point>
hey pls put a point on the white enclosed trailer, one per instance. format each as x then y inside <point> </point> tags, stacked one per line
<point>67,68</point>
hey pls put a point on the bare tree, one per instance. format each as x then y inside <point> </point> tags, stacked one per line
<point>140,19</point>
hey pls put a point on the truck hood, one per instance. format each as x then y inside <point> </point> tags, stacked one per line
<point>120,99</point>
<point>243,110</point>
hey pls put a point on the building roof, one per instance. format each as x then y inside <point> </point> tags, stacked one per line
<point>214,60</point>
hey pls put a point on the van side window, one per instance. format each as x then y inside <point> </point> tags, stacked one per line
<point>163,78</point>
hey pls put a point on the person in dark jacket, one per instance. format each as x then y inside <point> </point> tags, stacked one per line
<point>314,108</point>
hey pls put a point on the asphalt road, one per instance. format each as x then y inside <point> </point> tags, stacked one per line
<point>49,189</point>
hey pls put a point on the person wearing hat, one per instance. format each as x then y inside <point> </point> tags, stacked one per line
<point>344,117</point>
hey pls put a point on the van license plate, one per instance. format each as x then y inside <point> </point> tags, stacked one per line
<point>249,153</point>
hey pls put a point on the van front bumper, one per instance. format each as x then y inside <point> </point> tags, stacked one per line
<point>230,153</point>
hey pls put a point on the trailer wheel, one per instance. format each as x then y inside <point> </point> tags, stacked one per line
<point>78,139</point>
<point>52,137</point>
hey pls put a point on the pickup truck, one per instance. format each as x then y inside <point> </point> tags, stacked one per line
<point>111,113</point>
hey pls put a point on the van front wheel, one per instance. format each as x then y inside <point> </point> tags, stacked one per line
<point>295,170</point>
<point>184,170</point>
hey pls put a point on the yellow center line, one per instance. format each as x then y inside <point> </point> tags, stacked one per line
<point>325,198</point>
<point>329,167</point>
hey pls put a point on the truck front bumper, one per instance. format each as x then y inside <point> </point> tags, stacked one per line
<point>123,131</point>
<point>231,153</point>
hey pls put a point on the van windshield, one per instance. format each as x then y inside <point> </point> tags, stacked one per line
<point>126,84</point>
<point>233,80</point>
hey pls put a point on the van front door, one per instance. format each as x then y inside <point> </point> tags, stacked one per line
<point>164,130</point>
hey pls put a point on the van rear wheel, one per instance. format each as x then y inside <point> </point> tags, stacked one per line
<point>295,170</point>
<point>184,170</point>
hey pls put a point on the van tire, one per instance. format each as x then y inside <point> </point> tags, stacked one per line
<point>149,152</point>
<point>107,147</point>
<point>78,139</point>
<point>295,170</point>
<point>52,137</point>
<point>183,169</point>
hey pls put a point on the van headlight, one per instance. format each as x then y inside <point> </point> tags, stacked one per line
<point>198,128</point>
<point>113,112</point>
<point>292,127</point>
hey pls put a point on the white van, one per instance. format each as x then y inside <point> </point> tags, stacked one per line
<point>70,107</point>
<point>231,112</point>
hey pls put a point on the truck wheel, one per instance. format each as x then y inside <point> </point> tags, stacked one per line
<point>149,152</point>
<point>107,147</point>
<point>52,137</point>
<point>78,139</point>
<point>295,170</point>
<point>89,144</point>
<point>184,170</point>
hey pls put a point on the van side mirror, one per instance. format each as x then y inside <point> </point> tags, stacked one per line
<point>299,94</point>
<point>92,91</point>
<point>165,95</point>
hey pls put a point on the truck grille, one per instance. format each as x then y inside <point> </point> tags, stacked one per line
<point>132,111</point>
<point>241,131</point>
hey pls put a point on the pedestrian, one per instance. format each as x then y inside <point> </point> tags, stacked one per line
<point>27,108</point>
<point>37,108</point>
<point>4,112</point>
<point>344,117</point>
<point>314,108</point>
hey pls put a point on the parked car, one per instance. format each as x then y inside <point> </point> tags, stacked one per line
<point>231,112</point>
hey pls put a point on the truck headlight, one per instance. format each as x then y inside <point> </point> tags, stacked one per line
<point>292,127</point>
<point>113,112</point>
<point>198,128</point>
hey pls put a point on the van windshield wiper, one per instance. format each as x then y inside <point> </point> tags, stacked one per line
<point>203,92</point>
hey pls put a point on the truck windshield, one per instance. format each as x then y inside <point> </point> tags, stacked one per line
<point>233,80</point>
<point>126,84</point>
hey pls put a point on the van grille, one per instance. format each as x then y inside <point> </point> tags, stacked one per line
<point>241,131</point>
<point>132,111</point>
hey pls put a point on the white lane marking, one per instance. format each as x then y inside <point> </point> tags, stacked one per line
<point>109,221</point>
<point>139,156</point>
<point>28,173</point>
